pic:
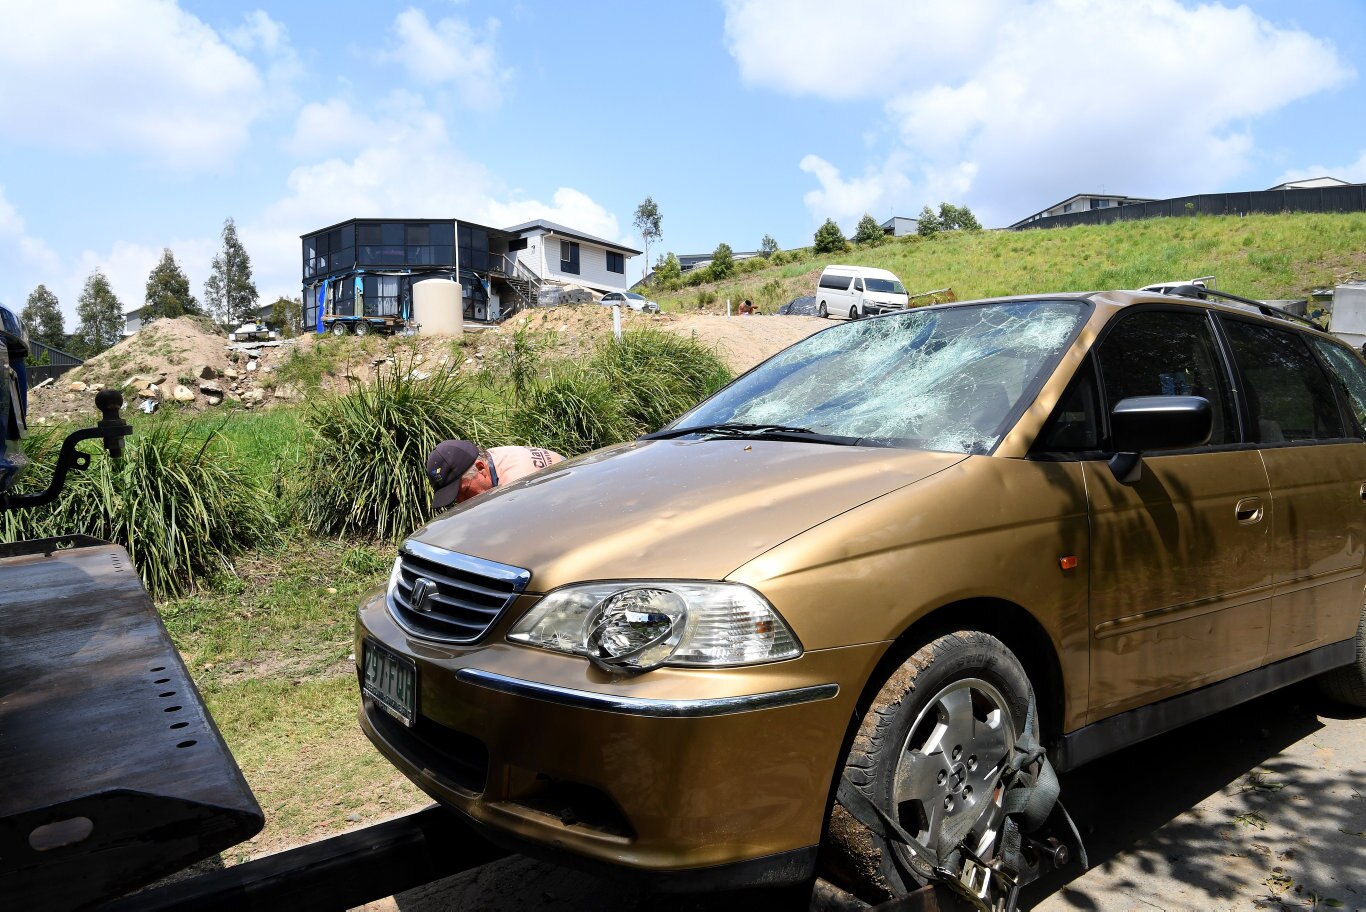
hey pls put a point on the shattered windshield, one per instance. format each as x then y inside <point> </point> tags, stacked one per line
<point>936,379</point>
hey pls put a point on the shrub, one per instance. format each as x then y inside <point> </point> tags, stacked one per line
<point>829,238</point>
<point>365,462</point>
<point>178,501</point>
<point>571,410</point>
<point>768,246</point>
<point>722,261</point>
<point>869,231</point>
<point>658,375</point>
<point>928,223</point>
<point>705,297</point>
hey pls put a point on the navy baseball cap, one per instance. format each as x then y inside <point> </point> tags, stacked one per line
<point>445,464</point>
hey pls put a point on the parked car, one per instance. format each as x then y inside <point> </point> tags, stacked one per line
<point>815,619</point>
<point>859,291</point>
<point>638,303</point>
<point>252,332</point>
<point>803,306</point>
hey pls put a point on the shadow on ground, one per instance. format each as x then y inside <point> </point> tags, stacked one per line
<point>1205,813</point>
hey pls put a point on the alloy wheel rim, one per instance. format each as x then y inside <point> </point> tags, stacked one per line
<point>951,765</point>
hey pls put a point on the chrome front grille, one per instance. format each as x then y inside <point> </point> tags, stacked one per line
<point>443,595</point>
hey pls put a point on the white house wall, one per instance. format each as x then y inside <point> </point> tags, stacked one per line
<point>592,266</point>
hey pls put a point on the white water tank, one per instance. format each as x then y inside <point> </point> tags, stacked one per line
<point>438,309</point>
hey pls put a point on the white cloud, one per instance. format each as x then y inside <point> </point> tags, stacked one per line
<point>1021,104</point>
<point>571,208</point>
<point>138,75</point>
<point>863,49</point>
<point>847,199</point>
<point>453,53</point>
<point>1355,173</point>
<point>261,34</point>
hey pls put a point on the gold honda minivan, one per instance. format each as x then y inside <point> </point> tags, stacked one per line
<point>830,618</point>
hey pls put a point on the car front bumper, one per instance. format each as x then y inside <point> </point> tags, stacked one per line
<point>698,779</point>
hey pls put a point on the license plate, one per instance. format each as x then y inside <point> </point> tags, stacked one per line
<point>389,680</point>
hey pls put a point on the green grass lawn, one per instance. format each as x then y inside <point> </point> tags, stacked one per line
<point>1261,256</point>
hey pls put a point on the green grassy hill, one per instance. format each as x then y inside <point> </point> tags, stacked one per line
<point>1262,256</point>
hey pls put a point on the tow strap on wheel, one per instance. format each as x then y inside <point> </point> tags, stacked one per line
<point>1030,800</point>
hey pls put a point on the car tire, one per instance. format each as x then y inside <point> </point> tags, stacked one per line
<point>338,329</point>
<point>930,747</point>
<point>1348,683</point>
<point>853,312</point>
<point>824,314</point>
<point>362,328</point>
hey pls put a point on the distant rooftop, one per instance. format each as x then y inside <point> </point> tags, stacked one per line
<point>559,229</point>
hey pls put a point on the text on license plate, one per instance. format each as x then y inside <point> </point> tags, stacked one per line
<point>389,681</point>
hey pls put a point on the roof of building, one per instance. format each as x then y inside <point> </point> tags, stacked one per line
<point>899,218</point>
<point>1065,200</point>
<point>561,230</point>
<point>1311,183</point>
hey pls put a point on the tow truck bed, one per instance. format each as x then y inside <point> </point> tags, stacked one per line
<point>114,773</point>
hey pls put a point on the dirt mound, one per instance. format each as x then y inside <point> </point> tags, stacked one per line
<point>188,361</point>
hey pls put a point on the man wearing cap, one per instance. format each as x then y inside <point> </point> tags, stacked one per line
<point>460,469</point>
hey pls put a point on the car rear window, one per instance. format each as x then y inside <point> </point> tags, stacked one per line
<point>1288,394</point>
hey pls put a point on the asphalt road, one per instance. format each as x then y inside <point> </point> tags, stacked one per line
<point>1262,807</point>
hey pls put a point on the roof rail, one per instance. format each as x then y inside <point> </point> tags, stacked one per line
<point>1195,291</point>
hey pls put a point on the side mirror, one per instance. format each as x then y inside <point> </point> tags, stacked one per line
<point>1141,424</point>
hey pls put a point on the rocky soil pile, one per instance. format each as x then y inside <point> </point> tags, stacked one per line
<point>189,362</point>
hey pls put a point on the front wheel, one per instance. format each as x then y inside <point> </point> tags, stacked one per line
<point>823,312</point>
<point>1348,683</point>
<point>362,328</point>
<point>853,312</point>
<point>930,752</point>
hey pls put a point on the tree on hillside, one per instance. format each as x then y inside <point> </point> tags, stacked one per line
<point>101,316</point>
<point>287,315</point>
<point>829,238</point>
<point>768,246</point>
<point>927,224</point>
<point>722,261</point>
<point>668,270</point>
<point>953,218</point>
<point>168,290</point>
<point>648,222</point>
<point>869,231</point>
<point>229,291</point>
<point>967,221</point>
<point>43,317</point>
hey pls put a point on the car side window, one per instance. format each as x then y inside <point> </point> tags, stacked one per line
<point>1167,353</point>
<point>858,284</point>
<point>1348,370</point>
<point>1288,395</point>
<point>1074,426</point>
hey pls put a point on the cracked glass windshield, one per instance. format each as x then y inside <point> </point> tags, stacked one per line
<point>936,379</point>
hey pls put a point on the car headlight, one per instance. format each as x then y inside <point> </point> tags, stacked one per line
<point>638,625</point>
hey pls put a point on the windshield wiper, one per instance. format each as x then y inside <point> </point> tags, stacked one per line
<point>755,432</point>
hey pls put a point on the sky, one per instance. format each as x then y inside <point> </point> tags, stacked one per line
<point>130,127</point>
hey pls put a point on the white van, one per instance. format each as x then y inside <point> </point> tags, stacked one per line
<point>859,291</point>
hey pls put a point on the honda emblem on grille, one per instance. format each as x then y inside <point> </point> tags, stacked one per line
<point>422,590</point>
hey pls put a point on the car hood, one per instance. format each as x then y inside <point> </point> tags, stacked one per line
<point>677,509</point>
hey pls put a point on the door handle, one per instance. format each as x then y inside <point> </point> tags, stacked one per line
<point>1249,510</point>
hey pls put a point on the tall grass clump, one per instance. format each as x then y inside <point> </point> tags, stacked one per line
<point>571,409</point>
<point>658,375</point>
<point>177,501</point>
<point>365,458</point>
